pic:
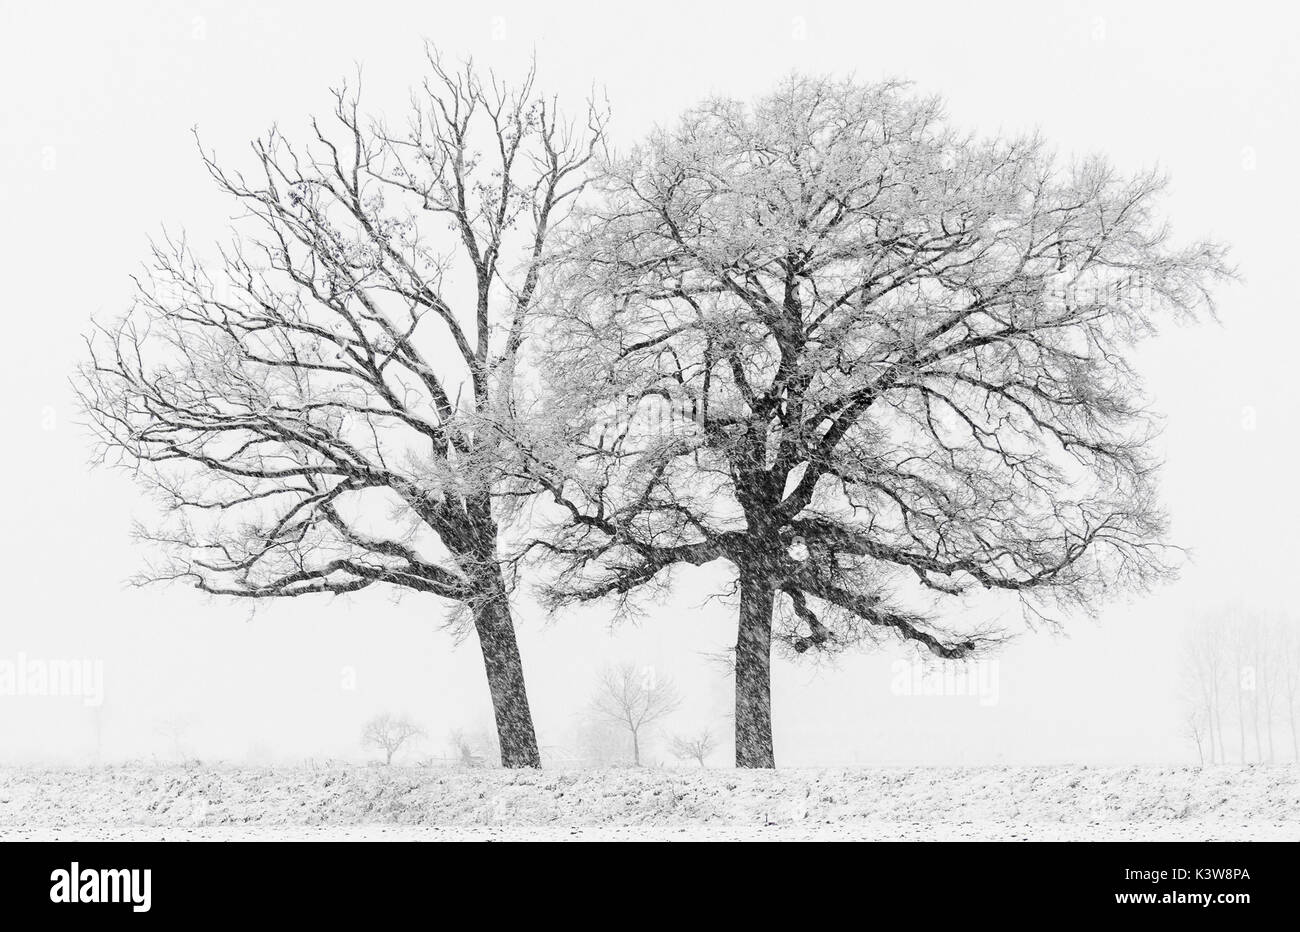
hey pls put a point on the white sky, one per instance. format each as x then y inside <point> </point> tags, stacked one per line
<point>96,155</point>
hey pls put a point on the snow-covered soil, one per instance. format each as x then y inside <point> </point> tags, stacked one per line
<point>805,831</point>
<point>1032,803</point>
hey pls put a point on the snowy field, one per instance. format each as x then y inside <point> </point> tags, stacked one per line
<point>399,803</point>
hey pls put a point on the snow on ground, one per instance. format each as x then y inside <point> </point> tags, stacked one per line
<point>371,803</point>
<point>805,831</point>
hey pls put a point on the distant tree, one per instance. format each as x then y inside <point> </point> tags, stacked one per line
<point>1205,675</point>
<point>388,733</point>
<point>634,698</point>
<point>311,407</point>
<point>697,747</point>
<point>1195,720</point>
<point>461,750</point>
<point>175,731</point>
<point>1264,658</point>
<point>1240,656</point>
<point>1288,650</point>
<point>471,750</point>
<point>1236,630</point>
<point>901,355</point>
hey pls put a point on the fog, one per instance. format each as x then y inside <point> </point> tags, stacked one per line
<point>97,156</point>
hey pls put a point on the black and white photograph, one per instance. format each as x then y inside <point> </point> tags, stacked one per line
<point>665,424</point>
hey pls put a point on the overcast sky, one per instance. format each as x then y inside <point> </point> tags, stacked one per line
<point>97,155</point>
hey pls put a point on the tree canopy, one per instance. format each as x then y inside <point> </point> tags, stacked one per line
<point>308,405</point>
<point>897,352</point>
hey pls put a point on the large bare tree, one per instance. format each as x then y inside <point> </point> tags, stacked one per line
<point>895,363</point>
<point>309,405</point>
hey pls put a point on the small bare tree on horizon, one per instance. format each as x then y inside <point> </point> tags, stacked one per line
<point>388,733</point>
<point>175,730</point>
<point>696,747</point>
<point>634,698</point>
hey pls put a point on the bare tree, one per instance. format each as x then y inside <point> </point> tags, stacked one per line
<point>1249,658</point>
<point>472,749</point>
<point>1236,634</point>
<point>1288,651</point>
<point>634,698</point>
<point>1204,670</point>
<point>462,751</point>
<point>900,356</point>
<point>175,731</point>
<point>1195,721</point>
<point>694,747</point>
<point>310,408</point>
<point>388,733</point>
<point>1265,663</point>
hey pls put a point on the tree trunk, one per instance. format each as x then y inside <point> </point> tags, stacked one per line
<point>1254,714</point>
<point>754,672</point>
<point>1268,726</point>
<point>636,751</point>
<point>1241,719</point>
<point>1218,718</point>
<point>505,676</point>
